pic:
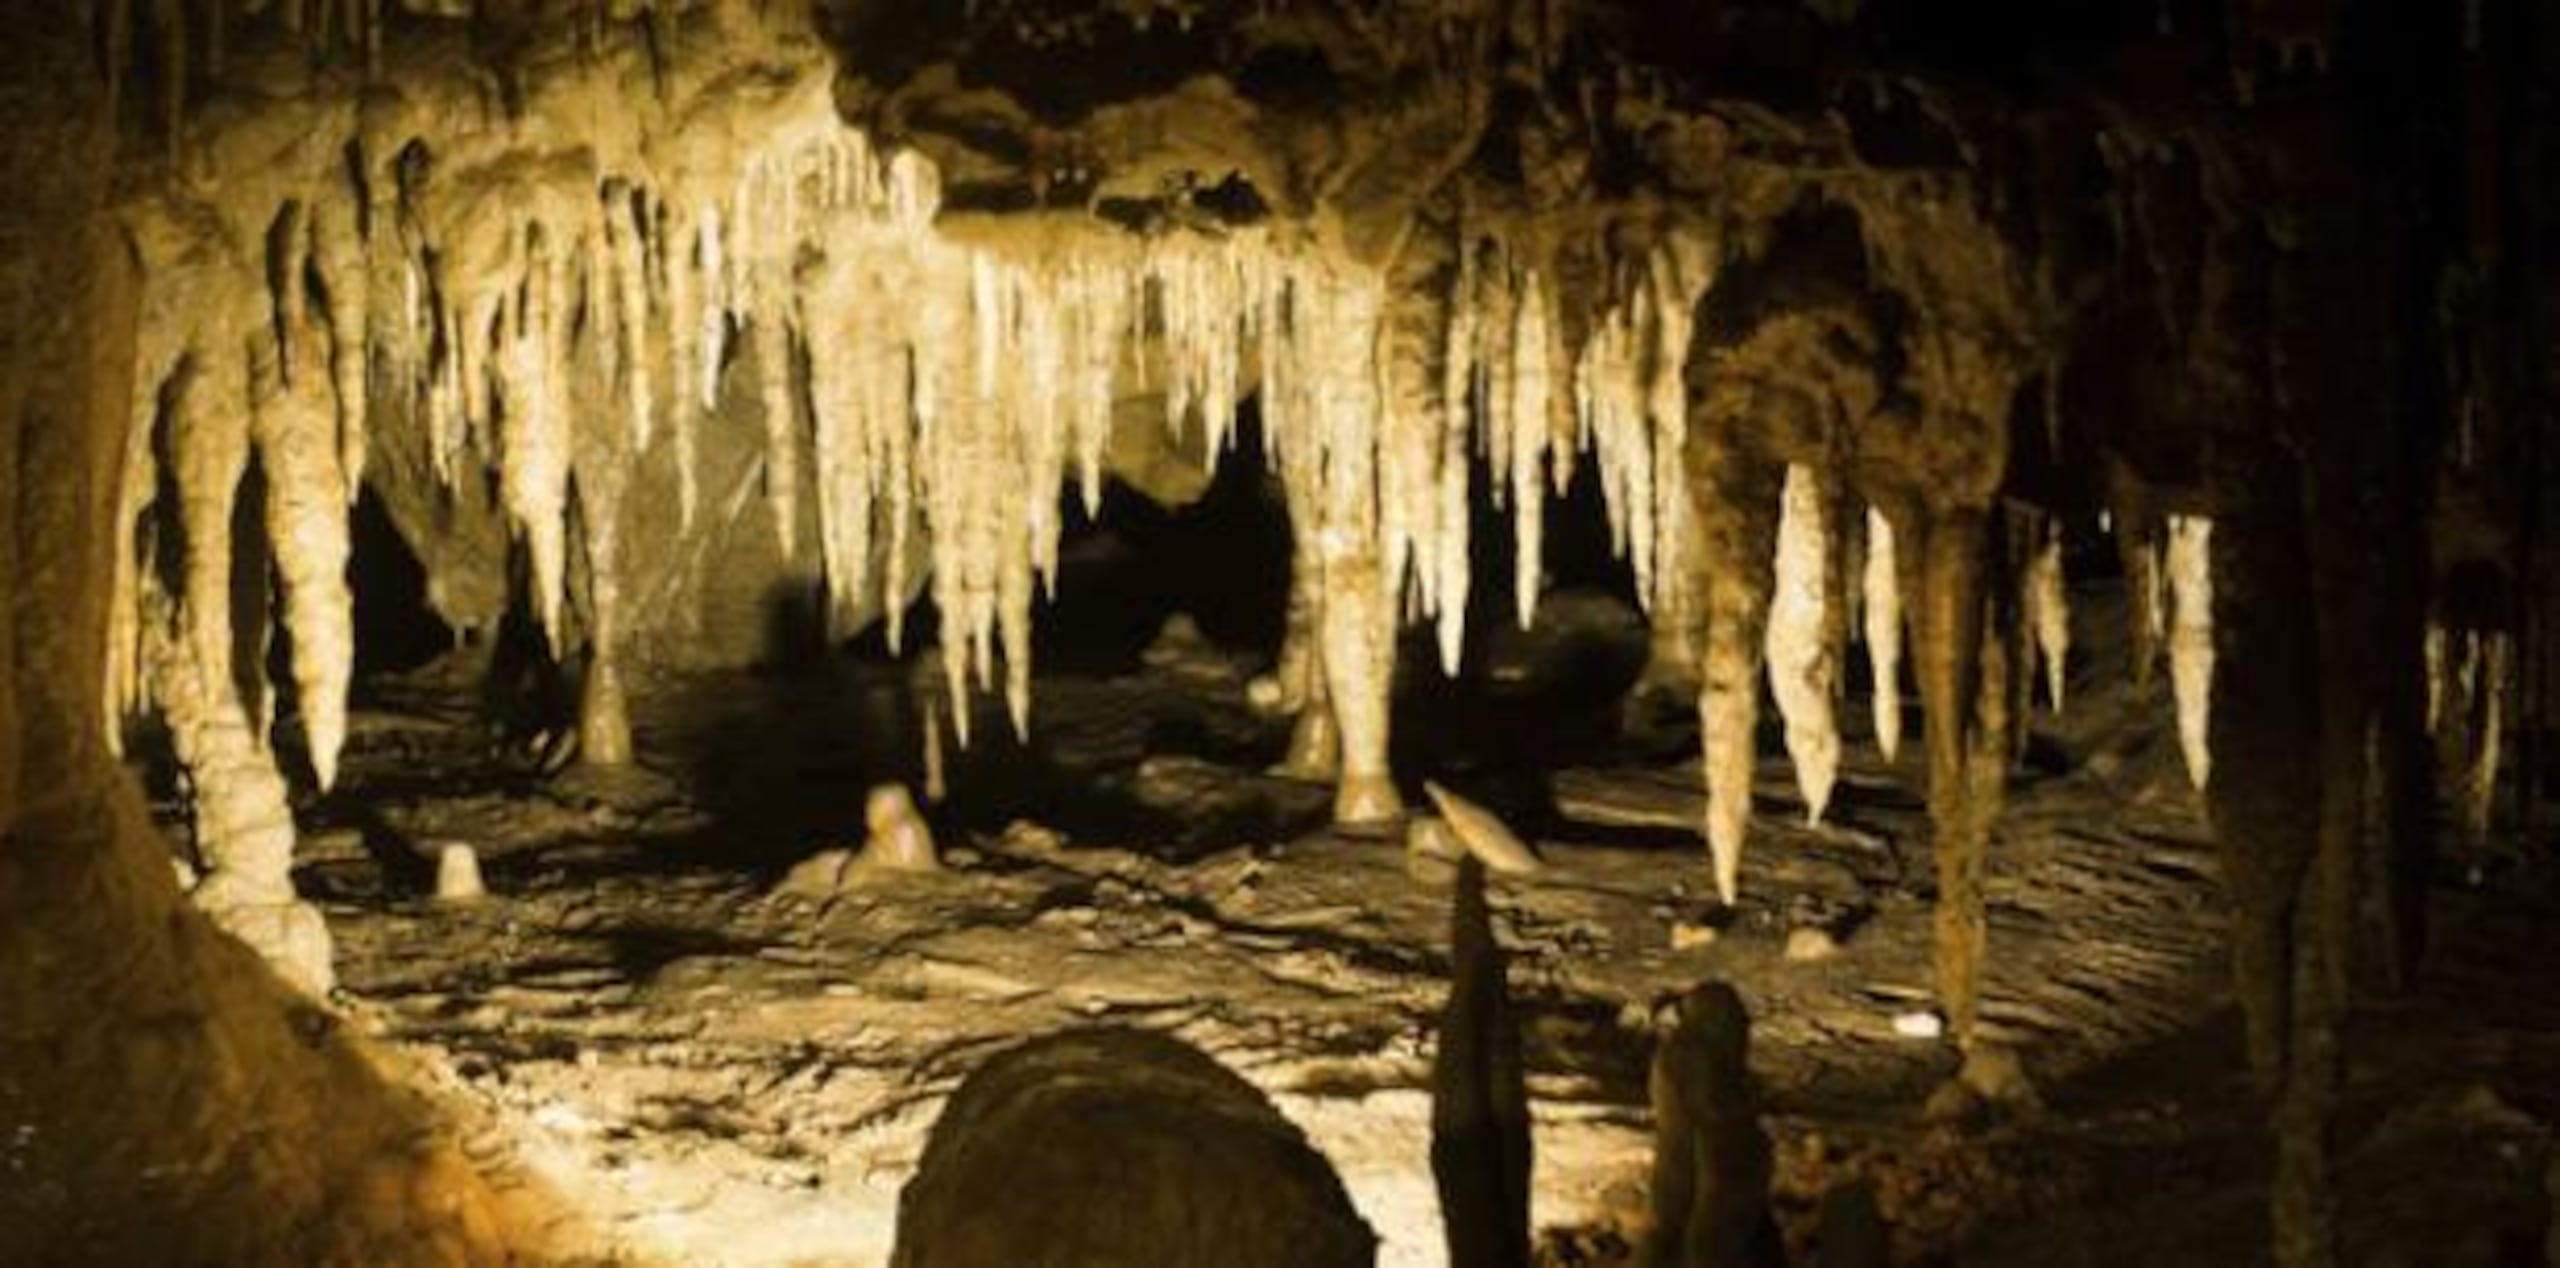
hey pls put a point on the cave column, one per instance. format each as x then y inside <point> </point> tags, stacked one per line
<point>2284,813</point>
<point>602,474</point>
<point>1299,677</point>
<point>1360,677</point>
<point>1963,661</point>
<point>604,712</point>
<point>1343,312</point>
<point>244,827</point>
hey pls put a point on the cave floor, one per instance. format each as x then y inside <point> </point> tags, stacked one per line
<point>709,1067</point>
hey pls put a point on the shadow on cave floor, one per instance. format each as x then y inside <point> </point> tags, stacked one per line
<point>653,1004</point>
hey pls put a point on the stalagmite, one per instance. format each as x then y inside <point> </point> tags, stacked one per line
<point>1883,612</point>
<point>243,825</point>
<point>297,436</point>
<point>2189,573</point>
<point>2048,613</point>
<point>1803,677</point>
<point>458,874</point>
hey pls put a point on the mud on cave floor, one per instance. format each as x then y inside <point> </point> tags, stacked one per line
<point>714,1071</point>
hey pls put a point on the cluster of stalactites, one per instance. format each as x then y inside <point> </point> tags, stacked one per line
<point>1630,399</point>
<point>243,361</point>
<point>933,386</point>
<point>665,278</point>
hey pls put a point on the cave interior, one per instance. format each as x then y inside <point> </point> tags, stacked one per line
<point>1693,633</point>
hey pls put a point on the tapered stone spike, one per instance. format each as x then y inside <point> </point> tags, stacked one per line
<point>1737,510</point>
<point>2189,572</point>
<point>1802,675</point>
<point>2479,792</point>
<point>2048,611</point>
<point>1530,386</point>
<point>1883,612</point>
<point>458,874</point>
<point>296,436</point>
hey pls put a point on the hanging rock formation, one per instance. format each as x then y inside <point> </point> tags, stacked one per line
<point>1804,669</point>
<point>858,295</point>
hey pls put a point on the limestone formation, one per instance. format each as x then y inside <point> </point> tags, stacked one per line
<point>646,324</point>
<point>1480,1141</point>
<point>2047,610</point>
<point>458,873</point>
<point>898,840</point>
<point>1712,1159</point>
<point>1883,612</point>
<point>1120,1147</point>
<point>1804,674</point>
<point>2189,572</point>
<point>1483,834</point>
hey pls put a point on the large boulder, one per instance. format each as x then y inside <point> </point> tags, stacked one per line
<point>1121,1149</point>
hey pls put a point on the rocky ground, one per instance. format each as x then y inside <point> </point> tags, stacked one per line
<point>713,1064</point>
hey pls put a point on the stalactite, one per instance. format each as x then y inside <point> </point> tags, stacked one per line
<point>1415,429</point>
<point>2437,668</point>
<point>2048,613</point>
<point>1881,584</point>
<point>2492,653</point>
<point>1462,371</point>
<point>530,367</point>
<point>776,377</point>
<point>2189,575</point>
<point>626,247</point>
<point>1736,511</point>
<point>680,242</point>
<point>296,431</point>
<point>210,440</point>
<point>1803,677</point>
<point>339,253</point>
<point>1678,275</point>
<point>1610,398</point>
<point>1529,389</point>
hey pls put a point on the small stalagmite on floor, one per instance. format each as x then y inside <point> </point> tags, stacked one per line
<point>1712,1159</point>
